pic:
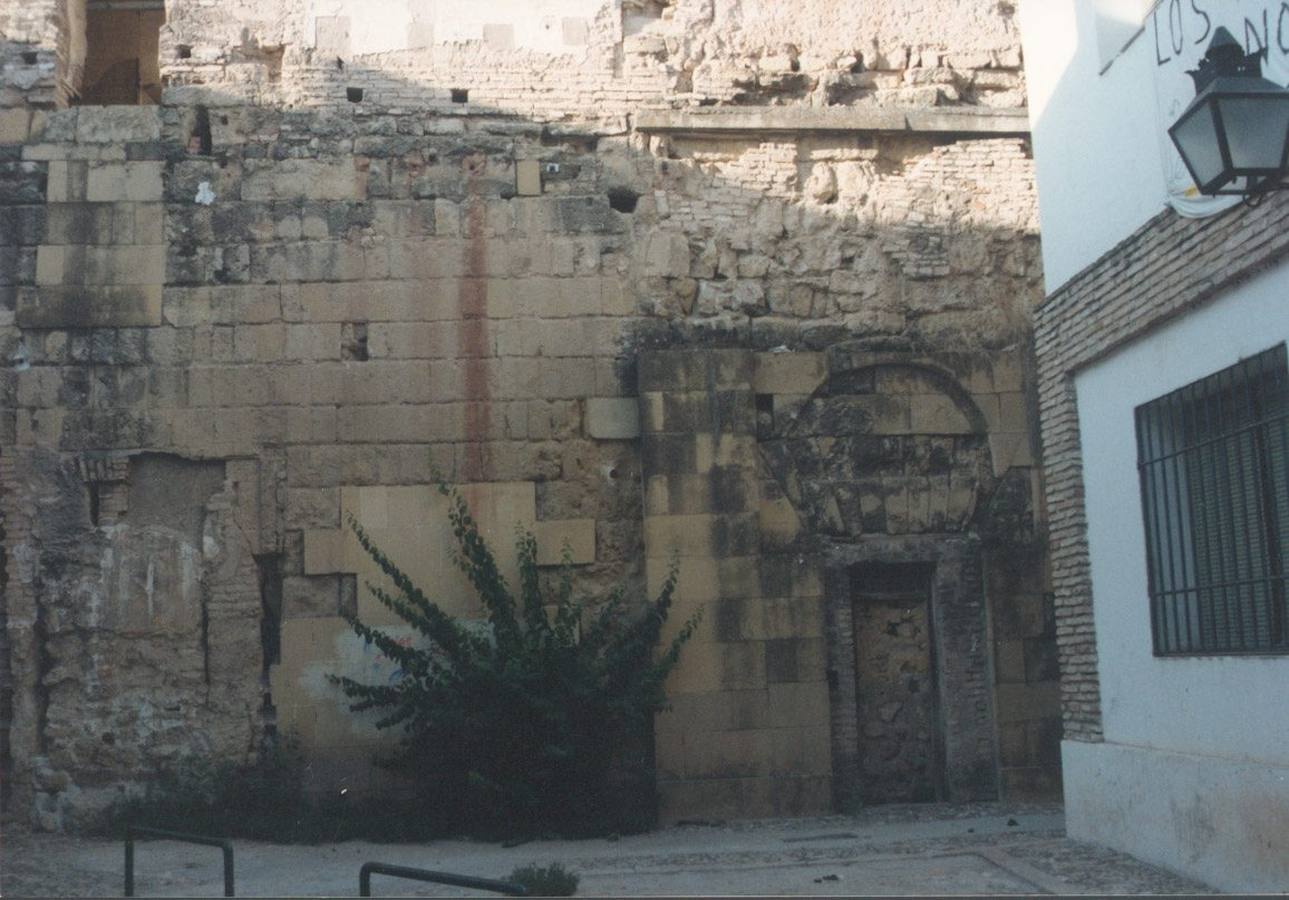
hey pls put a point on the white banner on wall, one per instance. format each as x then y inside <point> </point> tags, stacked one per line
<point>1181,31</point>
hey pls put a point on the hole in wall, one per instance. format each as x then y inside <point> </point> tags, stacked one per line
<point>122,63</point>
<point>30,57</point>
<point>353,342</point>
<point>354,94</point>
<point>623,199</point>
<point>200,141</point>
<point>460,95</point>
<point>270,572</point>
<point>183,51</point>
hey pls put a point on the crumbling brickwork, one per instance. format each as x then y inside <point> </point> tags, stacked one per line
<point>349,252</point>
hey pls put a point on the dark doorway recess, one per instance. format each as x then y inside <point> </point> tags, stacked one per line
<point>897,704</point>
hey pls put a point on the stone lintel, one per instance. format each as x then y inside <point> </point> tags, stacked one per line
<point>801,120</point>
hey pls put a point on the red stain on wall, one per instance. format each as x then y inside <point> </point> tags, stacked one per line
<point>474,336</point>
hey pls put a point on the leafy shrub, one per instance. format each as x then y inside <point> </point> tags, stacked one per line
<point>517,728</point>
<point>549,881</point>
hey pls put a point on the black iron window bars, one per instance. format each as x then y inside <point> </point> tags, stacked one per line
<point>1213,457</point>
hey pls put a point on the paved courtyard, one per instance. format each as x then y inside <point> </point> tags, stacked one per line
<point>926,849</point>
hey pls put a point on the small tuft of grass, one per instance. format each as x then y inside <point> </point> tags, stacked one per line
<point>546,881</point>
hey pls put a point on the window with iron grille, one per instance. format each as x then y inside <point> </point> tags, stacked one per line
<point>1214,463</point>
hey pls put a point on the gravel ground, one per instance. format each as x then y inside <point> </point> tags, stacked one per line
<point>916,849</point>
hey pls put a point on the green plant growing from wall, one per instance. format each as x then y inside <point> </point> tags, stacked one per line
<point>518,728</point>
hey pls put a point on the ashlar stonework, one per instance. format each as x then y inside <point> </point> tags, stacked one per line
<point>695,277</point>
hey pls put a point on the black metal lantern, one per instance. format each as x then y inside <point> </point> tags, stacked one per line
<point>1234,137</point>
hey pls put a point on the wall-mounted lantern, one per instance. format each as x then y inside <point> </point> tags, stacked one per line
<point>1234,137</point>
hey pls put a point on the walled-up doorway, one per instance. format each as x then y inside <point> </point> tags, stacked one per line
<point>121,62</point>
<point>900,733</point>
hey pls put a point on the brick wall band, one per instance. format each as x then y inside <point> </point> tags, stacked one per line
<point>1168,266</point>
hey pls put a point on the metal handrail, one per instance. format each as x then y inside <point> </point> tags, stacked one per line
<point>132,831</point>
<point>466,881</point>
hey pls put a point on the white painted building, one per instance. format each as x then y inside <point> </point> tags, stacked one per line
<point>1164,394</point>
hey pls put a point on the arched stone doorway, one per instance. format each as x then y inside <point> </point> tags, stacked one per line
<point>885,464</point>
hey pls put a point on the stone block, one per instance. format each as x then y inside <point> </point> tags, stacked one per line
<point>798,704</point>
<point>779,523</point>
<point>789,373</point>
<point>936,414</point>
<point>553,535</point>
<point>801,751</point>
<point>15,125</point>
<point>735,619</point>
<point>528,177</point>
<point>89,307</point>
<point>613,418</point>
<point>1007,449</point>
<point>1028,702</point>
<point>310,596</point>
<point>331,36</point>
<point>697,578</point>
<point>311,425</point>
<point>312,341</point>
<point>118,124</point>
<point>66,181</point>
<point>666,255</point>
<point>133,182</point>
<point>728,754</point>
<point>792,617</point>
<point>324,552</point>
<point>1012,412</point>
<point>117,265</point>
<point>304,179</point>
<point>149,223</point>
<point>1009,661</point>
<point>50,263</point>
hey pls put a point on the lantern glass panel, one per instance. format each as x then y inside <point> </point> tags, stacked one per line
<point>1256,130</point>
<point>1196,138</point>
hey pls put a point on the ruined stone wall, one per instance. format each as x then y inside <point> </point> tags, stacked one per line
<point>579,59</point>
<point>320,307</point>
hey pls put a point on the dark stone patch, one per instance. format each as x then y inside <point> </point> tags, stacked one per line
<point>668,454</point>
<point>149,150</point>
<point>587,215</point>
<point>728,489</point>
<point>735,536</point>
<point>781,664</point>
<point>1041,660</point>
<point>861,381</point>
<point>22,225</point>
<point>22,183</point>
<point>776,574</point>
<point>728,619</point>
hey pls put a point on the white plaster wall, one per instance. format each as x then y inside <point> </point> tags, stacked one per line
<point>1222,706</point>
<point>1097,156</point>
<point>1099,123</point>
<point>1220,822</point>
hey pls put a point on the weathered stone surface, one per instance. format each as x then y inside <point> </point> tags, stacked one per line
<point>451,252</point>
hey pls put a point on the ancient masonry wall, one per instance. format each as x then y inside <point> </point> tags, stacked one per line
<point>1169,265</point>
<point>299,313</point>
